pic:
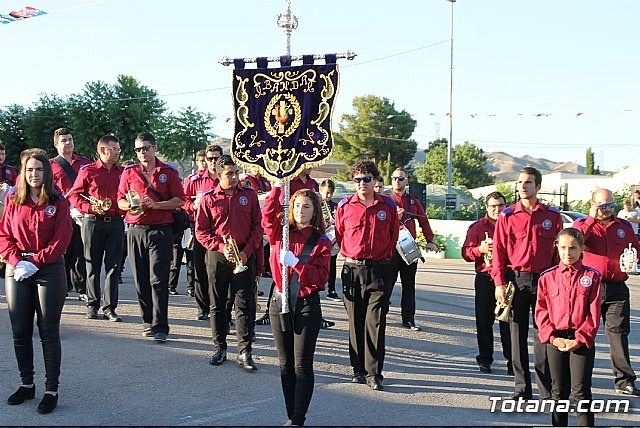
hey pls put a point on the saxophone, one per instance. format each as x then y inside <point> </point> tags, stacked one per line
<point>503,310</point>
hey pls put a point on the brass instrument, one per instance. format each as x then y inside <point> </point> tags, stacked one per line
<point>629,260</point>
<point>98,205</point>
<point>235,254</point>
<point>326,214</point>
<point>503,310</point>
<point>330,232</point>
<point>488,256</point>
<point>135,202</point>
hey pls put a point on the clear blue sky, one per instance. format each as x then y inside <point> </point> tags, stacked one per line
<point>512,61</point>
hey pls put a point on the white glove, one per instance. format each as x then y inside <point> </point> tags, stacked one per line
<point>19,272</point>
<point>75,213</point>
<point>288,259</point>
<point>29,268</point>
<point>278,183</point>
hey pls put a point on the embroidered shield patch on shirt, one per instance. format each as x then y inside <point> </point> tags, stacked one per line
<point>585,281</point>
<point>382,215</point>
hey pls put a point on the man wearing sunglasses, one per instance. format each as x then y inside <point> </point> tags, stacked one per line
<point>605,238</point>
<point>195,186</point>
<point>523,248</point>
<point>409,210</point>
<point>150,234</point>
<point>367,231</point>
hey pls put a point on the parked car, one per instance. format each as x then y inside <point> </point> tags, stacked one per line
<point>568,217</point>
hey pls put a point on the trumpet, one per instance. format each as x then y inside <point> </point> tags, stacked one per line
<point>503,310</point>
<point>326,213</point>
<point>629,260</point>
<point>235,254</point>
<point>488,256</point>
<point>135,203</point>
<point>98,205</point>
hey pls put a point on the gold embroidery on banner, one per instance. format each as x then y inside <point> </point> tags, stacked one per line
<point>283,82</point>
<point>280,110</point>
<point>242,114</point>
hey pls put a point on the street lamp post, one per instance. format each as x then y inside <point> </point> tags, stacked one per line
<point>450,142</point>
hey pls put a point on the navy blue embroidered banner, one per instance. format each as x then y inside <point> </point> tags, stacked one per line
<point>283,118</point>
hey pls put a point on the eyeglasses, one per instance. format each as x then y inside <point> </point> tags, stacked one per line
<point>493,207</point>
<point>213,158</point>
<point>366,179</point>
<point>142,149</point>
<point>115,149</point>
<point>609,205</point>
<point>400,178</point>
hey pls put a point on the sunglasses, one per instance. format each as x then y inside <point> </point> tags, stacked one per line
<point>142,149</point>
<point>400,178</point>
<point>213,158</point>
<point>609,205</point>
<point>366,179</point>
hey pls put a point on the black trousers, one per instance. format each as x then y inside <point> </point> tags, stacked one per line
<point>202,278</point>
<point>150,258</point>
<point>74,262</point>
<point>485,304</point>
<point>42,295</point>
<point>523,306</point>
<point>331,285</point>
<point>616,312</point>
<point>102,241</point>
<point>223,281</point>
<point>408,281</point>
<point>296,349</point>
<point>571,373</point>
<point>366,291</point>
<point>176,265</point>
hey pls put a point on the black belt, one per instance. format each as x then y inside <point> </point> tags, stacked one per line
<point>150,226</point>
<point>566,334</point>
<point>103,218</point>
<point>367,262</point>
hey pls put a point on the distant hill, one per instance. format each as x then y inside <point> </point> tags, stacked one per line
<point>505,167</point>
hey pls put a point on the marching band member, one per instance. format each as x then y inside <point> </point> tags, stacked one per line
<point>178,251</point>
<point>478,249</point>
<point>195,187</point>
<point>308,263</point>
<point>65,168</point>
<point>150,234</point>
<point>409,209</point>
<point>102,225</point>
<point>378,186</point>
<point>228,213</point>
<point>606,237</point>
<point>34,233</point>
<point>572,289</point>
<point>8,172</point>
<point>327,189</point>
<point>257,182</point>
<point>367,232</point>
<point>523,247</point>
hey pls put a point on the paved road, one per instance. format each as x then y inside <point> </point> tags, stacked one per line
<point>111,375</point>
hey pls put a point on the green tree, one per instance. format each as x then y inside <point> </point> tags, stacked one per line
<point>48,114</point>
<point>12,132</point>
<point>188,132</point>
<point>374,132</point>
<point>468,165</point>
<point>589,168</point>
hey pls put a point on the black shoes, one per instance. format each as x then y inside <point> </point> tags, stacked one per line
<point>92,313</point>
<point>160,337</point>
<point>411,325</point>
<point>147,332</point>
<point>263,320</point>
<point>246,361</point>
<point>203,316</point>
<point>510,369</point>
<point>111,315</point>
<point>219,357</point>
<point>333,296</point>
<point>326,323</point>
<point>190,293</point>
<point>173,291</point>
<point>48,403</point>
<point>629,389</point>
<point>83,297</point>
<point>358,378</point>
<point>485,368</point>
<point>375,384</point>
<point>526,395</point>
<point>21,395</point>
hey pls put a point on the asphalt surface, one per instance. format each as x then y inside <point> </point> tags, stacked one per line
<point>111,375</point>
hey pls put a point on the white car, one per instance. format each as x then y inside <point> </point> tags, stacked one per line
<point>568,217</point>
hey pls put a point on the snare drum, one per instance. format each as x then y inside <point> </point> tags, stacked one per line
<point>407,247</point>
<point>331,234</point>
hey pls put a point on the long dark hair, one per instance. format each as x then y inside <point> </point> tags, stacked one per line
<point>317,221</point>
<point>48,193</point>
